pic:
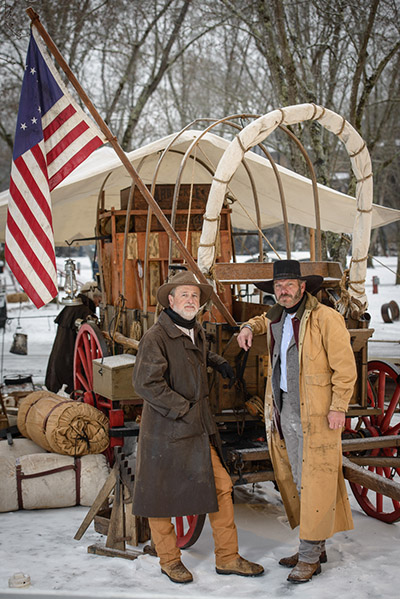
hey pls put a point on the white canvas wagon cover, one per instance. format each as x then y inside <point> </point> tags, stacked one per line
<point>74,201</point>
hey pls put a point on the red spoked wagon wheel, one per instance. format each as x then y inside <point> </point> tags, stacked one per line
<point>384,393</point>
<point>188,530</point>
<point>89,345</point>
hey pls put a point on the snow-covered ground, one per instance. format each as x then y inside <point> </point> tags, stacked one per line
<point>362,563</point>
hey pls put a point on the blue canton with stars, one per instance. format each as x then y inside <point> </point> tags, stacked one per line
<point>39,93</point>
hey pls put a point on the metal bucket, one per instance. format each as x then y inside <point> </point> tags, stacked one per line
<point>20,344</point>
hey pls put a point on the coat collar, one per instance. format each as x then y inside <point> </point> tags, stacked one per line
<point>172,330</point>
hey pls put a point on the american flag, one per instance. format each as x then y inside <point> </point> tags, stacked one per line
<point>53,136</point>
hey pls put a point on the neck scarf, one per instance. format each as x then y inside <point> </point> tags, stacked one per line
<point>179,320</point>
<point>294,308</point>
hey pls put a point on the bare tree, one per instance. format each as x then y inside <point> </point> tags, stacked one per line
<point>152,66</point>
<point>338,54</point>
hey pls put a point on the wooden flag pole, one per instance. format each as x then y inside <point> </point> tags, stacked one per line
<point>125,161</point>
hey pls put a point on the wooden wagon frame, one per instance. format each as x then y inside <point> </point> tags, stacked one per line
<point>158,229</point>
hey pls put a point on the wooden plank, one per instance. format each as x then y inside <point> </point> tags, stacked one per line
<point>116,528</point>
<point>97,504</point>
<point>100,549</point>
<point>132,524</point>
<point>234,417</point>
<point>249,272</point>
<point>254,477</point>
<point>376,461</point>
<point>250,454</point>
<point>370,480</point>
<point>359,338</point>
<point>154,282</point>
<point>232,349</point>
<point>357,410</point>
<point>101,524</point>
<point>370,443</point>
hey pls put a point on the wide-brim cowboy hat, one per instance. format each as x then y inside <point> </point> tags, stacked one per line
<point>183,278</point>
<point>290,269</point>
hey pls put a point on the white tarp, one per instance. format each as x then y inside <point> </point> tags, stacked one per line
<point>74,201</point>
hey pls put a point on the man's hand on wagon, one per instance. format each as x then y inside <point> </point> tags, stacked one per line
<point>245,338</point>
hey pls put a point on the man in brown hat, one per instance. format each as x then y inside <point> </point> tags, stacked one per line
<point>179,470</point>
<point>310,383</point>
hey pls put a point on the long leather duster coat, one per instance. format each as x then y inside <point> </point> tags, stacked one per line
<point>174,475</point>
<point>327,374</point>
<point>61,360</point>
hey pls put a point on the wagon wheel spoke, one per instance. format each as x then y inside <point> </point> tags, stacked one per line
<point>383,391</point>
<point>381,386</point>
<point>179,527</point>
<point>81,380</point>
<point>80,373</point>
<point>89,353</point>
<point>188,530</point>
<point>89,345</point>
<point>391,409</point>
<point>393,430</point>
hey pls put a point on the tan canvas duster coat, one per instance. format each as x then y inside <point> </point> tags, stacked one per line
<point>327,376</point>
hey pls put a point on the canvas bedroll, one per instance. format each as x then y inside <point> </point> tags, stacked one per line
<point>62,425</point>
<point>48,480</point>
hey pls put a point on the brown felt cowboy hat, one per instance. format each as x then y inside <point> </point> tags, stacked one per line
<point>183,278</point>
<point>290,269</point>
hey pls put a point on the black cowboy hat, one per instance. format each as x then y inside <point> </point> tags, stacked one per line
<point>183,278</point>
<point>290,269</point>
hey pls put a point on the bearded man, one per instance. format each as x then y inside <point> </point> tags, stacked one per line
<point>310,383</point>
<point>179,471</point>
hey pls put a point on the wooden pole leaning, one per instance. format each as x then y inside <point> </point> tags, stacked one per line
<point>125,161</point>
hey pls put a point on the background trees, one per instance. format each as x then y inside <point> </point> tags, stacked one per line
<point>152,66</point>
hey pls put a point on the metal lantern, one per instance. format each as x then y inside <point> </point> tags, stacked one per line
<point>70,286</point>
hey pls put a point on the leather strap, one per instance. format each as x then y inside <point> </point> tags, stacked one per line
<point>52,410</point>
<point>78,469</point>
<point>76,466</point>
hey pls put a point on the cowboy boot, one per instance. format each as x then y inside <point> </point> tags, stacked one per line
<point>290,562</point>
<point>303,572</point>
<point>241,567</point>
<point>177,572</point>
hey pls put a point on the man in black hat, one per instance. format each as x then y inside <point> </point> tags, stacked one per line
<point>310,383</point>
<point>179,471</point>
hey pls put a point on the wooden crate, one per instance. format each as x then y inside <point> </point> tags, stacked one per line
<point>112,377</point>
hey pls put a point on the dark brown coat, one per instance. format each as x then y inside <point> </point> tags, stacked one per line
<point>61,360</point>
<point>174,475</point>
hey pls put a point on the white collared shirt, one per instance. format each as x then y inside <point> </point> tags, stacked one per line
<point>287,334</point>
<point>188,332</point>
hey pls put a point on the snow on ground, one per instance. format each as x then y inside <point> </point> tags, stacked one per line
<point>363,563</point>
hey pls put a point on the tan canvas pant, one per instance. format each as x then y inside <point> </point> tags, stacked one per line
<point>222,523</point>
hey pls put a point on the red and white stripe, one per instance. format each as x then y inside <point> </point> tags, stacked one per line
<point>69,138</point>
<point>29,235</point>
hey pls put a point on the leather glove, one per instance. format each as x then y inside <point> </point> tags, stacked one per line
<point>255,406</point>
<point>227,372</point>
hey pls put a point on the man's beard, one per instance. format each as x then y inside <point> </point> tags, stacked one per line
<point>294,299</point>
<point>186,314</point>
